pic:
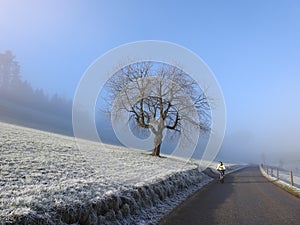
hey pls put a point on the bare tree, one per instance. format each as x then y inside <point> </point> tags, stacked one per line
<point>158,96</point>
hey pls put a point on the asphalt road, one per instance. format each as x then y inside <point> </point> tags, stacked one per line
<point>246,197</point>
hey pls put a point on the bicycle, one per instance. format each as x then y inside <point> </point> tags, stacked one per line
<point>221,168</point>
<point>222,176</point>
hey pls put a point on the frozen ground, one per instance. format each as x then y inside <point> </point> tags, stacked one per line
<point>284,176</point>
<point>283,181</point>
<point>46,179</point>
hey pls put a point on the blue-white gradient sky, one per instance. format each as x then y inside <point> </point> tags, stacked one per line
<point>253,48</point>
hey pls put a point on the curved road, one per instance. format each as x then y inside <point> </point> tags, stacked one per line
<point>246,197</point>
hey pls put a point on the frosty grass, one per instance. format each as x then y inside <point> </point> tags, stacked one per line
<point>46,179</point>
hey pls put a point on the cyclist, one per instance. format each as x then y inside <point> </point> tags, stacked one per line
<point>221,168</point>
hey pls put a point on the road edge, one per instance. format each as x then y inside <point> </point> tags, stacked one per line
<point>283,185</point>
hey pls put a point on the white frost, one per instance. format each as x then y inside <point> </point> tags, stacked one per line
<point>46,179</point>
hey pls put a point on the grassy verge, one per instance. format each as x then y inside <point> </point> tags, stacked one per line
<point>283,185</point>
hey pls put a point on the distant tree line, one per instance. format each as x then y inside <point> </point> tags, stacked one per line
<point>20,92</point>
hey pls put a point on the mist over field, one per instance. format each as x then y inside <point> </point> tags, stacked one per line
<point>252,49</point>
<point>274,147</point>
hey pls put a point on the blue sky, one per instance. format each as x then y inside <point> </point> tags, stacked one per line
<point>252,47</point>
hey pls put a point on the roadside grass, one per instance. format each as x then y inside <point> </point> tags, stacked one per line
<point>283,185</point>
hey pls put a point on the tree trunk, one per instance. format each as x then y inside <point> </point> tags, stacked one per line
<point>156,150</point>
<point>157,144</point>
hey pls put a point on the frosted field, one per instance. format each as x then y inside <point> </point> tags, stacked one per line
<point>283,181</point>
<point>284,175</point>
<point>46,179</point>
